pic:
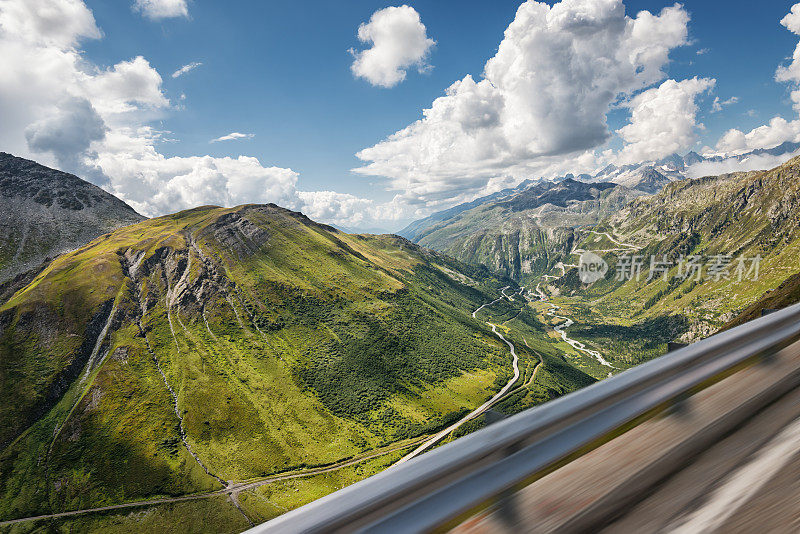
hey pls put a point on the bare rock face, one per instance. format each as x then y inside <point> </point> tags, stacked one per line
<point>527,231</point>
<point>45,212</point>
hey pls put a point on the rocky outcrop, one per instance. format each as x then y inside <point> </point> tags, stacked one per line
<point>530,231</point>
<point>48,212</point>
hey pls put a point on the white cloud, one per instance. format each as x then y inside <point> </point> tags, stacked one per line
<point>68,134</point>
<point>663,120</point>
<point>750,163</point>
<point>43,72</point>
<point>342,208</point>
<point>702,51</point>
<point>791,73</point>
<point>769,135</point>
<point>155,184</point>
<point>161,9</point>
<point>62,110</point>
<point>399,41</point>
<point>778,129</point>
<point>792,19</point>
<point>232,136</point>
<point>544,95</point>
<point>58,23</point>
<point>186,68</point>
<point>718,104</point>
<point>128,86</point>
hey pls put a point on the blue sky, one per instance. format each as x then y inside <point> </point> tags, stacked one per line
<point>280,72</point>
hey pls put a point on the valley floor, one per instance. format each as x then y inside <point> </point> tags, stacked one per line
<point>247,497</point>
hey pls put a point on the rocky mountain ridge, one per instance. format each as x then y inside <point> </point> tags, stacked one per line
<point>47,212</point>
<point>527,231</point>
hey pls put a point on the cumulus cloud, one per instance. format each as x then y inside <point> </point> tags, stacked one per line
<point>342,208</point>
<point>718,104</point>
<point>68,134</point>
<point>62,110</point>
<point>791,72</point>
<point>44,70</point>
<point>126,87</point>
<point>232,136</point>
<point>663,120</point>
<point>399,41</point>
<point>155,184</point>
<point>186,68</point>
<point>540,105</point>
<point>161,9</point>
<point>778,130</point>
<point>58,23</point>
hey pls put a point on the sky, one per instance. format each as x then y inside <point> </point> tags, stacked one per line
<point>369,115</point>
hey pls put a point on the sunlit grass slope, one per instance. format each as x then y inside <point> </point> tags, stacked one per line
<point>225,344</point>
<point>742,215</point>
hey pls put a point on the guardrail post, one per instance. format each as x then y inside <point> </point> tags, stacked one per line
<point>507,508</point>
<point>680,405</point>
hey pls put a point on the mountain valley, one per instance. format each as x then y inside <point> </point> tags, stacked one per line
<point>233,363</point>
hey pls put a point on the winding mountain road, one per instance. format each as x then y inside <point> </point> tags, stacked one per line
<point>623,247</point>
<point>483,407</point>
<point>230,490</point>
<point>614,240</point>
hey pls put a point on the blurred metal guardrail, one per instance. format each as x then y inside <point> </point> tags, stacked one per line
<point>448,484</point>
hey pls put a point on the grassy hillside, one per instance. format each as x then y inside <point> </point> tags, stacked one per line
<point>527,233</point>
<point>214,345</point>
<point>740,216</point>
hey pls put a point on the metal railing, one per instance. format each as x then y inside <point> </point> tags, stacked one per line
<point>447,484</point>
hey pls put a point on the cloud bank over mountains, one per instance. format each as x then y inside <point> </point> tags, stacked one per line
<point>541,105</point>
<point>539,108</point>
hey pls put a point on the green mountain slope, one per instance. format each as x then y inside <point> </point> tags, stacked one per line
<point>525,234</point>
<point>216,345</point>
<point>721,220</point>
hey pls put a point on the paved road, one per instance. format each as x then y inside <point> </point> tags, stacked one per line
<point>231,489</point>
<point>746,482</point>
<point>614,240</point>
<point>235,488</point>
<point>623,247</point>
<point>483,407</point>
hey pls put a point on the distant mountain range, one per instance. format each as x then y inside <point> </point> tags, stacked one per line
<point>45,212</point>
<point>176,354</point>
<point>729,220</point>
<point>520,231</point>
<point>524,232</point>
<point>652,176</point>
